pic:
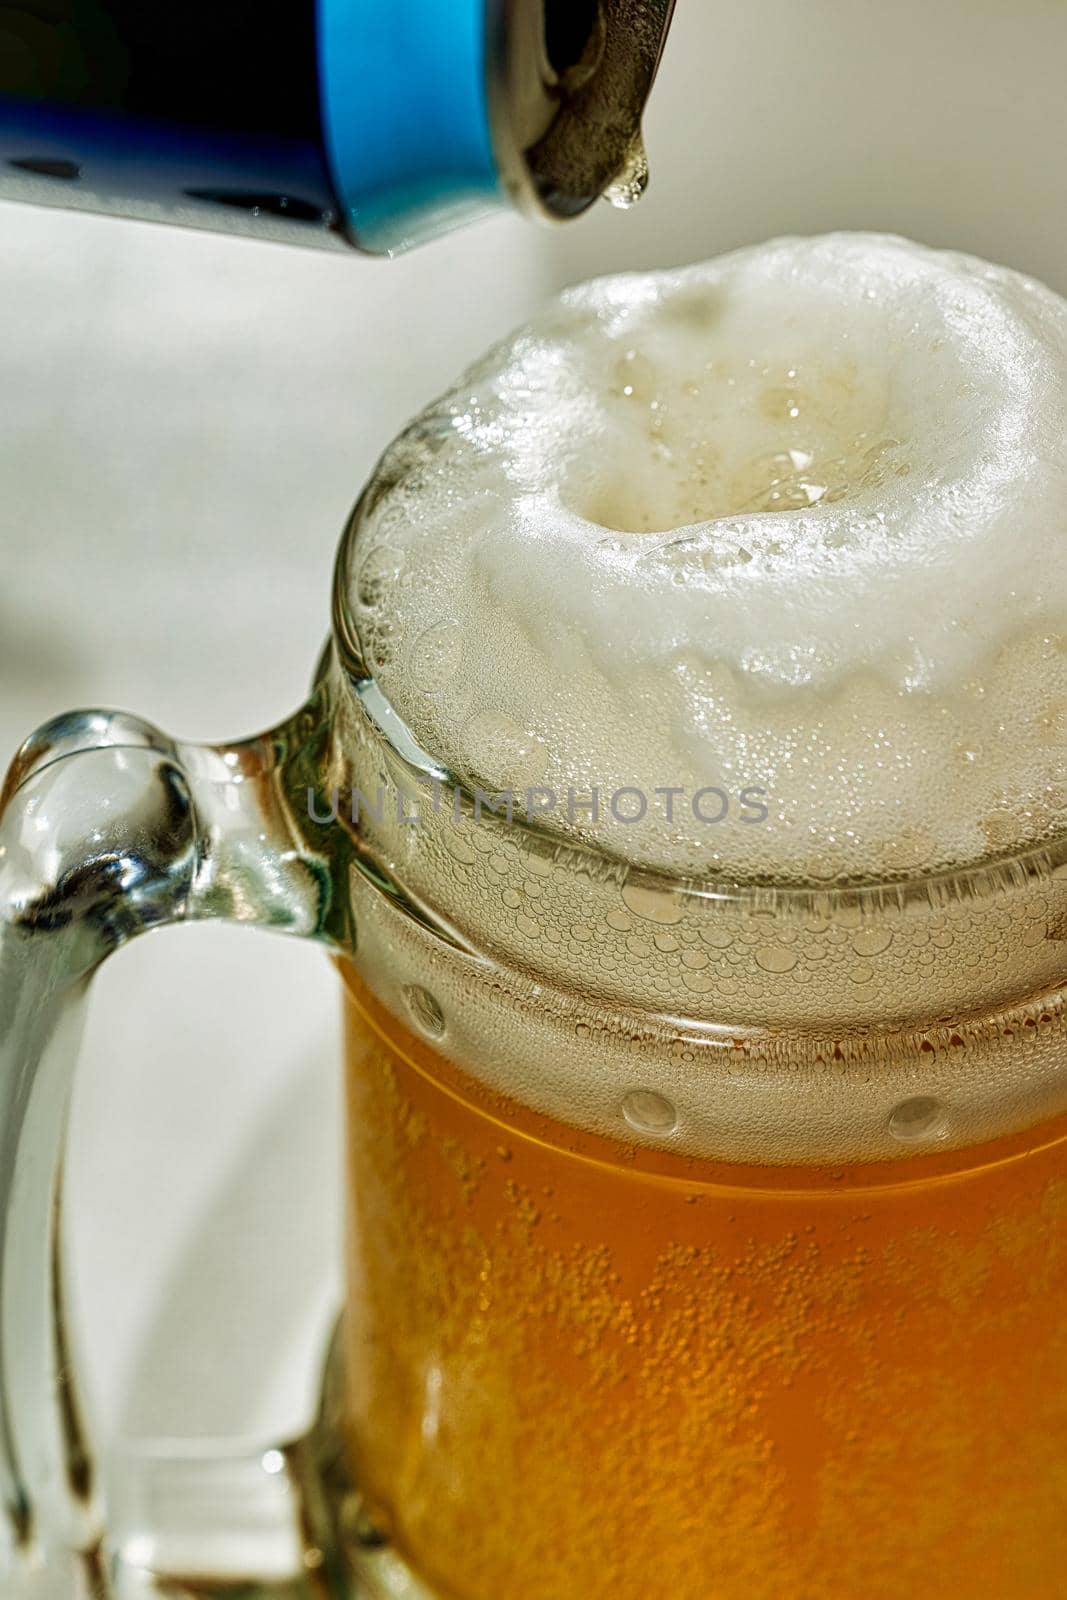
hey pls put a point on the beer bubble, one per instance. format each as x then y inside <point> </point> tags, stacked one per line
<point>425,1009</point>
<point>635,377</point>
<point>649,1112</point>
<point>917,1119</point>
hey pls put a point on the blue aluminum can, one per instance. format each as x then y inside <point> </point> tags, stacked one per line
<point>367,123</point>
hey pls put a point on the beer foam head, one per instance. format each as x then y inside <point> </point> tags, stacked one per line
<point>781,533</point>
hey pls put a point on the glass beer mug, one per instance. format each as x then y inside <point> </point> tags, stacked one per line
<point>706,1237</point>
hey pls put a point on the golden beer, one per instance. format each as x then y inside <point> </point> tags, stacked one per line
<point>582,1369</point>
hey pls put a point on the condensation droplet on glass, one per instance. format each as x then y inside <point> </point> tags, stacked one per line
<point>649,1112</point>
<point>872,941</point>
<point>775,958</point>
<point>653,905</point>
<point>920,1118</point>
<point>425,1009</point>
<point>459,848</point>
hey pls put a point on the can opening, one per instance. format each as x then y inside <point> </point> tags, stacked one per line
<point>569,28</point>
<point>568,88</point>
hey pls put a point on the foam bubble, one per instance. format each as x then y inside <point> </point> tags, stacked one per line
<point>791,520</point>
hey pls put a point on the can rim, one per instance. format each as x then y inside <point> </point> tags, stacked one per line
<point>530,175</point>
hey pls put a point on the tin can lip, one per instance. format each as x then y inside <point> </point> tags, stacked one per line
<point>567,84</point>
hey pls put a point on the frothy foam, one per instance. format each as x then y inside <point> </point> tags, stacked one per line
<point>790,521</point>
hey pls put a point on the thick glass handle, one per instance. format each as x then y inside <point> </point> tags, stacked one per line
<point>108,828</point>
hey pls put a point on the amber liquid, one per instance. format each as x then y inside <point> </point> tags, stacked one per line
<point>581,1370</point>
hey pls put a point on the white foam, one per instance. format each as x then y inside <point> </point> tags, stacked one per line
<point>789,520</point>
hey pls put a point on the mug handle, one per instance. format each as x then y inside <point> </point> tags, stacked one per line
<point>109,828</point>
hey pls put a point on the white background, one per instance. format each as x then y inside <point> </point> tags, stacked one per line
<point>184,424</point>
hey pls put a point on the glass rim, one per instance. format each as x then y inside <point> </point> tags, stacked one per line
<point>988,876</point>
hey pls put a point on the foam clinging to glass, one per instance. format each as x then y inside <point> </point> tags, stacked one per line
<point>788,520</point>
